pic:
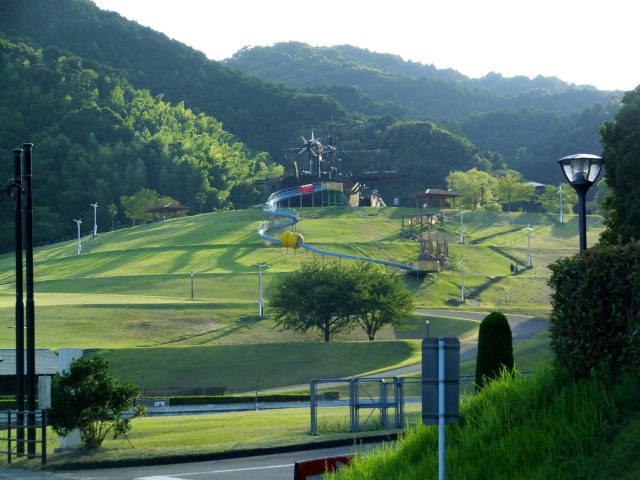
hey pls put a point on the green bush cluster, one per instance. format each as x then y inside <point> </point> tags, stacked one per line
<point>534,428</point>
<point>8,403</point>
<point>495,348</point>
<point>595,318</point>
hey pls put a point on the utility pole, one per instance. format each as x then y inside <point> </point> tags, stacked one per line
<point>29,305</point>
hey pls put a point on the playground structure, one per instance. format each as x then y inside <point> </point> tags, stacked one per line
<point>433,251</point>
<point>324,164</point>
<point>281,218</point>
<point>324,185</point>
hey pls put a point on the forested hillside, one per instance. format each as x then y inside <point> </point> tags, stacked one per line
<point>524,120</point>
<point>434,94</point>
<point>113,107</point>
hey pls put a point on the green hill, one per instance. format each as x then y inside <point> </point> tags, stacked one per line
<point>132,288</point>
<point>112,107</point>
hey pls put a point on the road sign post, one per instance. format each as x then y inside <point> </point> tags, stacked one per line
<point>440,388</point>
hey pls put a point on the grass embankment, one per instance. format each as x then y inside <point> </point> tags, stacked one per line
<point>132,287</point>
<point>129,292</point>
<point>535,428</point>
<point>179,437</point>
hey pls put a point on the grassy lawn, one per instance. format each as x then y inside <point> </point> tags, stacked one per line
<point>192,434</point>
<point>245,368</point>
<point>129,294</point>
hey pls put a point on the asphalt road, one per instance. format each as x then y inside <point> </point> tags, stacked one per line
<point>522,328</point>
<point>265,467</point>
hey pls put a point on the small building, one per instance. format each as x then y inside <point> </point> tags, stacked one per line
<point>170,210</point>
<point>428,196</point>
<point>46,365</point>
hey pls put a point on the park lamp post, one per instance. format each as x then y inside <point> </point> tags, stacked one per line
<point>581,171</point>
<point>260,301</point>
<point>461,262</point>
<point>461,225</point>
<point>95,221</point>
<point>529,230</point>
<point>78,222</point>
<point>561,192</point>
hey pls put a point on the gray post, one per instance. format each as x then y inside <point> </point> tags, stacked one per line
<point>441,409</point>
<point>353,405</point>
<point>313,400</point>
<point>383,404</point>
<point>399,386</point>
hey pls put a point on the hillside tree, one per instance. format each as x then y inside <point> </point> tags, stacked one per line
<point>201,198</point>
<point>332,297</point>
<point>112,209</point>
<point>509,188</point>
<point>319,295</point>
<point>475,185</point>
<point>549,200</point>
<point>621,140</point>
<point>136,207</point>
<point>383,299</point>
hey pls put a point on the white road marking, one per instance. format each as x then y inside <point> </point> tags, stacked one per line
<point>176,475</point>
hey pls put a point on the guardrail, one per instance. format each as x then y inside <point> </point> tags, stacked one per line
<point>32,422</point>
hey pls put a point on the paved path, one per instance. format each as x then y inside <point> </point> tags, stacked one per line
<point>522,328</point>
<point>278,466</point>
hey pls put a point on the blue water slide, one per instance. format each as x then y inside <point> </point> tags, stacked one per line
<point>290,217</point>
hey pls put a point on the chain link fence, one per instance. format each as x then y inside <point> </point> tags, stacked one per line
<point>368,404</point>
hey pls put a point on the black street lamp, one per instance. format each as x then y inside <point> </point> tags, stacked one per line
<point>581,171</point>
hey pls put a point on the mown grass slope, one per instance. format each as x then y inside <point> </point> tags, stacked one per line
<point>535,428</point>
<point>191,281</point>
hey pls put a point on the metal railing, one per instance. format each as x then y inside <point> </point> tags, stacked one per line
<point>364,404</point>
<point>33,422</point>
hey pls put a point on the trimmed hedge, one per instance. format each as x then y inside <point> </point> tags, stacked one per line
<point>8,404</point>
<point>226,399</point>
<point>595,317</point>
<point>495,348</point>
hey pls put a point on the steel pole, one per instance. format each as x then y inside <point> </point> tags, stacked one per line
<point>582,224</point>
<point>30,307</point>
<point>19,325</point>
<point>260,302</point>
<point>441,410</point>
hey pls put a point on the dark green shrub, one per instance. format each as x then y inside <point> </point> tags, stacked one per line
<point>495,348</point>
<point>595,317</point>
<point>8,403</point>
<point>226,399</point>
<point>329,395</point>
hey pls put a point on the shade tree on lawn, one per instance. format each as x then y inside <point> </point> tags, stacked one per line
<point>335,297</point>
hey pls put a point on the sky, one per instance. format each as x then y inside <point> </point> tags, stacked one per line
<point>586,42</point>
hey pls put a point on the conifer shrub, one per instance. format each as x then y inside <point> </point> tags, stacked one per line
<point>495,348</point>
<point>595,317</point>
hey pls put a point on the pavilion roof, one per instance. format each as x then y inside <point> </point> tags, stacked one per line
<point>435,193</point>
<point>169,207</point>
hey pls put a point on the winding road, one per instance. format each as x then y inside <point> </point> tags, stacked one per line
<point>522,328</point>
